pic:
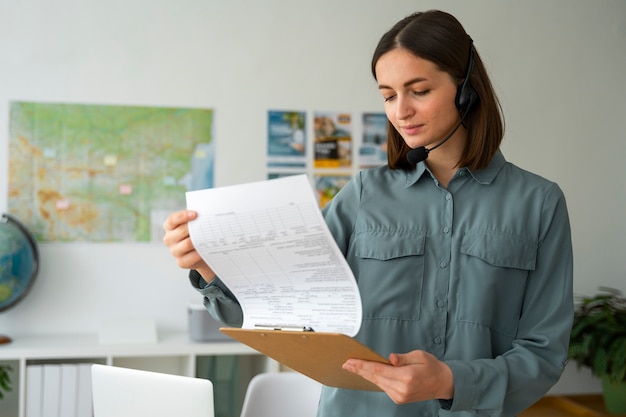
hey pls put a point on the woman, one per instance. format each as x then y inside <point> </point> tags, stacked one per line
<point>463,260</point>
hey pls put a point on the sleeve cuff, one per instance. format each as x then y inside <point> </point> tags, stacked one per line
<point>464,388</point>
<point>197,281</point>
<point>218,299</point>
<point>446,404</point>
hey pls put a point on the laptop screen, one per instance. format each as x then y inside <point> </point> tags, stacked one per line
<point>123,392</point>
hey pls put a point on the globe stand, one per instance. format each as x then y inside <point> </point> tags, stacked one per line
<point>4,339</point>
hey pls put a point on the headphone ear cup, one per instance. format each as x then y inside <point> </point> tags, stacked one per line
<point>465,98</point>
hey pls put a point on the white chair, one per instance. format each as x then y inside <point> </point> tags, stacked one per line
<point>281,394</point>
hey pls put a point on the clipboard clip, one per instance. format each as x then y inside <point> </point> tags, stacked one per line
<point>284,328</point>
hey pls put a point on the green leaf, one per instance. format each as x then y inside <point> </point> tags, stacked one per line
<point>598,334</point>
<point>5,380</point>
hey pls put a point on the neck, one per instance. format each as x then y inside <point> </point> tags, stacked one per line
<point>443,162</point>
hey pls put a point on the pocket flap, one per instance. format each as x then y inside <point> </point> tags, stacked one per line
<point>502,250</point>
<point>385,245</point>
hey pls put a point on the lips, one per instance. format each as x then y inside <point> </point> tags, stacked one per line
<point>411,129</point>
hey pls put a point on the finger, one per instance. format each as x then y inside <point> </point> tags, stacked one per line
<point>175,219</point>
<point>176,228</point>
<point>397,359</point>
<point>181,246</point>
<point>376,374</point>
<point>372,371</point>
<point>185,255</point>
<point>190,260</point>
<point>416,357</point>
<point>398,382</point>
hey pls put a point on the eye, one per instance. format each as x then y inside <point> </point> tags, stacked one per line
<point>389,98</point>
<point>421,93</point>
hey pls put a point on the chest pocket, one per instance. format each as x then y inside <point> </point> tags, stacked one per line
<point>389,268</point>
<point>508,251</point>
<point>493,277</point>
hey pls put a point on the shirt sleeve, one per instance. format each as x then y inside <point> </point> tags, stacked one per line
<point>218,300</point>
<point>516,379</point>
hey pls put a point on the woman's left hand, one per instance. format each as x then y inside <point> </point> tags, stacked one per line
<point>411,377</point>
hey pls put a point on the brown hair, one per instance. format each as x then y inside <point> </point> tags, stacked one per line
<point>439,37</point>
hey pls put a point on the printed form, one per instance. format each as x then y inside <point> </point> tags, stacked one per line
<point>268,242</point>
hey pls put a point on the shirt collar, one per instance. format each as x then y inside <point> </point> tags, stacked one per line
<point>488,174</point>
<point>414,175</point>
<point>482,176</point>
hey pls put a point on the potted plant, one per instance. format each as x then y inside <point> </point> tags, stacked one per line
<point>598,341</point>
<point>5,380</point>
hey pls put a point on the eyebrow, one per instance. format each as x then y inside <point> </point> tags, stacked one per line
<point>406,84</point>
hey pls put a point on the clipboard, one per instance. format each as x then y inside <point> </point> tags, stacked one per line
<point>316,355</point>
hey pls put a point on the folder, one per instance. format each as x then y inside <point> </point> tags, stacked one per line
<point>51,390</point>
<point>69,390</point>
<point>34,390</point>
<point>318,355</point>
<point>84,401</point>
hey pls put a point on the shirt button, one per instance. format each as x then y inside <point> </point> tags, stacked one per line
<point>443,264</point>
<point>440,303</point>
<point>446,229</point>
<point>448,197</point>
<point>437,340</point>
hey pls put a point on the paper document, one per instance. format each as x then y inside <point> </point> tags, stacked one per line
<point>268,242</point>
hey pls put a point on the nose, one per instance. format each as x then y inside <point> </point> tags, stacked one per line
<point>403,108</point>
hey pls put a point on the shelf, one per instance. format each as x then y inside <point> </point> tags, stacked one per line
<point>173,353</point>
<point>87,346</point>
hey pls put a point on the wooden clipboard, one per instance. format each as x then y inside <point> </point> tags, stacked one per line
<point>316,355</point>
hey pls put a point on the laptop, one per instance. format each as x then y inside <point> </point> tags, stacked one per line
<point>123,392</point>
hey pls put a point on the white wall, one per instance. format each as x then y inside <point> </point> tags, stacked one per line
<point>558,66</point>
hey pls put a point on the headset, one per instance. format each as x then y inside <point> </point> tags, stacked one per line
<point>466,95</point>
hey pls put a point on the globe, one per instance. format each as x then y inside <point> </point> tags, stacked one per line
<point>19,263</point>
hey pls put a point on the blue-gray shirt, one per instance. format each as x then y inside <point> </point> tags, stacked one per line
<point>479,274</point>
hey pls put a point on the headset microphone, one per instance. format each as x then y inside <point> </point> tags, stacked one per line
<point>465,98</point>
<point>417,155</point>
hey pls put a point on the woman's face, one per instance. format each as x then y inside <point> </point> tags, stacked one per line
<point>419,98</point>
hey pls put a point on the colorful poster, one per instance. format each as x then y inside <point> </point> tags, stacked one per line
<point>333,140</point>
<point>373,148</point>
<point>274,175</point>
<point>286,139</point>
<point>328,185</point>
<point>105,173</point>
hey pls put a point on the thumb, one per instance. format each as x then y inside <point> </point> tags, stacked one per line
<point>398,359</point>
<point>411,358</point>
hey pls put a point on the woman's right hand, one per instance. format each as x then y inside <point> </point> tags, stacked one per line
<point>178,241</point>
